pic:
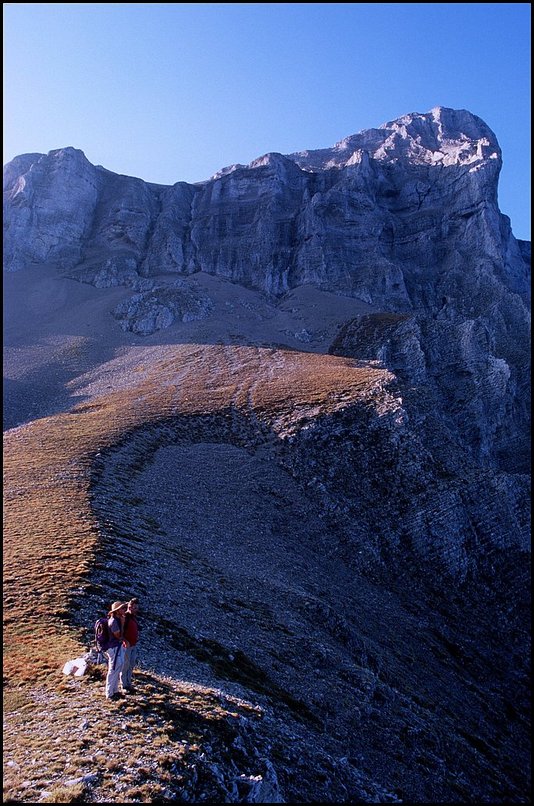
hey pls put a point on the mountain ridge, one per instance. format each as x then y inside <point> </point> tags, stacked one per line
<point>272,225</point>
<point>440,118</point>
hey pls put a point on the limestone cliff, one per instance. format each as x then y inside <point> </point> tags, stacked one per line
<point>392,215</point>
<point>404,218</point>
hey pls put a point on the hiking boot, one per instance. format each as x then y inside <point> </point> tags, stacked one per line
<point>130,690</point>
<point>117,696</point>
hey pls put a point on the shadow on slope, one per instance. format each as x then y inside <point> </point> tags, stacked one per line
<point>250,578</point>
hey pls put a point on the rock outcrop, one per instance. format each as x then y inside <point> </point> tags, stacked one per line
<point>157,306</point>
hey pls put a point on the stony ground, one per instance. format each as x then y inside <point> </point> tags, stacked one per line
<point>78,747</point>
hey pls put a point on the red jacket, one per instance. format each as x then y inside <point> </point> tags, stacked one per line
<point>131,629</point>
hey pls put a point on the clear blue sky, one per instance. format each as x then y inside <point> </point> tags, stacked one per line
<point>174,92</point>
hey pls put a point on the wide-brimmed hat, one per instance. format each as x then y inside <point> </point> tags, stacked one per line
<point>117,606</point>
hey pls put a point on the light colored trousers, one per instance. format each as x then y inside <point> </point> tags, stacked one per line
<point>115,657</point>
<point>130,659</point>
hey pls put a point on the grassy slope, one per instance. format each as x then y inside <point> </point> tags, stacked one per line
<point>52,539</point>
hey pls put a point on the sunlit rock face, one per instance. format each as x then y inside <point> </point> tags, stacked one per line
<point>376,215</point>
<point>49,207</point>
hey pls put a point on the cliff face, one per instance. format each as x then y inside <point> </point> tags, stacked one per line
<point>392,215</point>
<point>403,217</point>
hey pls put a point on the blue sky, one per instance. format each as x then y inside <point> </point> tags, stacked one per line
<point>174,92</point>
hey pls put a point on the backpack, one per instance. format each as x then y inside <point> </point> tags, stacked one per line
<point>103,637</point>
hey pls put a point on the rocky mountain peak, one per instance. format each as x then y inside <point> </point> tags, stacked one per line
<point>440,137</point>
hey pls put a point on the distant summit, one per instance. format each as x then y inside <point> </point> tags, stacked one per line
<point>403,218</point>
<point>439,137</point>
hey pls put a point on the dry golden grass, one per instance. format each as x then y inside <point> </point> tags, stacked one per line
<point>51,536</point>
<point>63,794</point>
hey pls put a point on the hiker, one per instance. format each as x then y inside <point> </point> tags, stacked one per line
<point>131,637</point>
<point>115,650</point>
